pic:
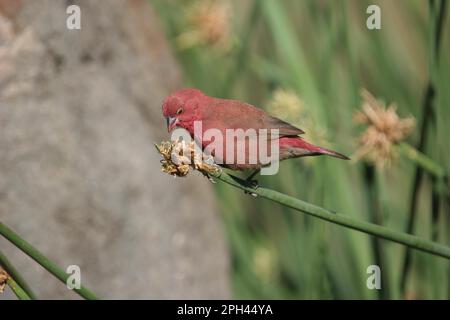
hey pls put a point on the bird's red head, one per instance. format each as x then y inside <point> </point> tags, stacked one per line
<point>180,108</point>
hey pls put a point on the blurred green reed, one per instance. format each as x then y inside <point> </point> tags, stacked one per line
<point>15,280</point>
<point>323,51</point>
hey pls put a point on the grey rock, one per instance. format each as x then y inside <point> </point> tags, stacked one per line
<point>79,176</point>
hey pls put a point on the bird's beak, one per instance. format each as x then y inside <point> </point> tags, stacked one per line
<point>172,122</point>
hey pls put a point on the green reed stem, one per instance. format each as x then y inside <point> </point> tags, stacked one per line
<point>12,271</point>
<point>422,160</point>
<point>436,18</point>
<point>376,217</point>
<point>241,57</point>
<point>327,215</point>
<point>17,289</point>
<point>49,265</point>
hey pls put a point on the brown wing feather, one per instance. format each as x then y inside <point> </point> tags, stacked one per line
<point>285,128</point>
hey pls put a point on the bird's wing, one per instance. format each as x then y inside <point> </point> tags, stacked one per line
<point>234,114</point>
<point>285,128</point>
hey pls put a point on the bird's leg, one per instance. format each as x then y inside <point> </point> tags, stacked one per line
<point>250,177</point>
<point>253,183</point>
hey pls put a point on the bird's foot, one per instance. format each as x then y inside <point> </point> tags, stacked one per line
<point>252,184</point>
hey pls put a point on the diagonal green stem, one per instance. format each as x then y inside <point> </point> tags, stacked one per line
<point>49,265</point>
<point>327,215</point>
<point>12,271</point>
<point>17,289</point>
<point>422,160</point>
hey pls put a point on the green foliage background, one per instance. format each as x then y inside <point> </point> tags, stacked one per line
<point>323,51</point>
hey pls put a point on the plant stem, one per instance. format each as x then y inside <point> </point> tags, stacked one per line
<point>49,265</point>
<point>436,27</point>
<point>12,271</point>
<point>243,53</point>
<point>376,217</point>
<point>327,215</point>
<point>17,289</point>
<point>436,198</point>
<point>422,160</point>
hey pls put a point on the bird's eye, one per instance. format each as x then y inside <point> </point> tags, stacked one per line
<point>180,110</point>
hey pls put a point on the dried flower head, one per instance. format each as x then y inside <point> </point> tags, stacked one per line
<point>4,276</point>
<point>384,130</point>
<point>179,157</point>
<point>286,105</point>
<point>208,24</point>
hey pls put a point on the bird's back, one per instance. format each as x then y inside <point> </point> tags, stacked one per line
<point>232,114</point>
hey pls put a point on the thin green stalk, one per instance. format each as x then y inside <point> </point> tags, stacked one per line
<point>49,265</point>
<point>376,217</point>
<point>436,199</point>
<point>447,218</point>
<point>422,160</point>
<point>17,289</point>
<point>327,215</point>
<point>428,115</point>
<point>243,53</point>
<point>12,271</point>
<point>293,55</point>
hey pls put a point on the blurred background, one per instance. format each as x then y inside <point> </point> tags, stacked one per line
<point>80,110</point>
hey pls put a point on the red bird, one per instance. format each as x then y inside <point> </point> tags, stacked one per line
<point>182,108</point>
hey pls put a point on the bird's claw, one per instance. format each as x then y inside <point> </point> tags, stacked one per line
<point>254,185</point>
<point>250,193</point>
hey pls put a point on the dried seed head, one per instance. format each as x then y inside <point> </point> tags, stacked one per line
<point>179,156</point>
<point>384,130</point>
<point>208,24</point>
<point>287,105</point>
<point>4,276</point>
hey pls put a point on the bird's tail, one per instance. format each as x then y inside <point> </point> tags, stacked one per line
<point>308,149</point>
